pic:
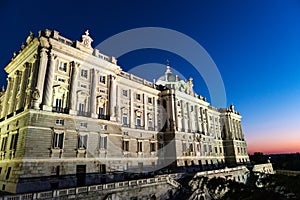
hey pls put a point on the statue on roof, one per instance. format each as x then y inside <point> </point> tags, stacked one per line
<point>86,40</point>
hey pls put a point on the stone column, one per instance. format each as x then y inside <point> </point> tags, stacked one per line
<point>12,98</point>
<point>7,96</point>
<point>24,79</point>
<point>183,125</point>
<point>155,114</point>
<point>132,123</point>
<point>197,119</point>
<point>145,112</point>
<point>207,122</point>
<point>93,93</point>
<point>38,92</point>
<point>48,92</point>
<point>73,84</point>
<point>113,98</point>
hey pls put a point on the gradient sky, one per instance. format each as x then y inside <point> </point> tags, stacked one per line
<point>255,45</point>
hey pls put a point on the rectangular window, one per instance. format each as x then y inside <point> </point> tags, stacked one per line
<point>216,149</point>
<point>58,140</point>
<point>59,122</point>
<point>82,141</point>
<point>183,147</point>
<point>125,93</point>
<point>8,173</point>
<point>103,127</point>
<point>138,121</point>
<point>140,146</point>
<point>124,119</point>
<point>58,104</point>
<point>103,142</point>
<point>138,97</point>
<point>61,79</point>
<point>150,124</point>
<point>81,107</point>
<point>102,169</point>
<point>84,73</point>
<point>62,66</point>
<point>149,100</point>
<point>14,141</point>
<point>83,85</point>
<point>3,143</point>
<point>102,79</point>
<point>152,146</point>
<point>125,145</point>
<point>83,124</point>
<point>191,148</point>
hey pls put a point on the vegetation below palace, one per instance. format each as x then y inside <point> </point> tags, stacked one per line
<point>259,186</point>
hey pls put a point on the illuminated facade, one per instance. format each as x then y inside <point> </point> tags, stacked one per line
<point>70,116</point>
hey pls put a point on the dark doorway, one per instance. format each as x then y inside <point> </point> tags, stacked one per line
<point>80,175</point>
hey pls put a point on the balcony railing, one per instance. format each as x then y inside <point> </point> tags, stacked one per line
<point>125,125</point>
<point>85,114</point>
<point>151,128</point>
<point>139,127</point>
<point>60,110</point>
<point>106,117</point>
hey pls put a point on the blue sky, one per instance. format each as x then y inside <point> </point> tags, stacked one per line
<point>255,45</point>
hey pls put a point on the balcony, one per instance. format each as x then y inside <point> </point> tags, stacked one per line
<point>139,127</point>
<point>82,113</point>
<point>151,128</point>
<point>105,117</point>
<point>60,110</point>
<point>125,125</point>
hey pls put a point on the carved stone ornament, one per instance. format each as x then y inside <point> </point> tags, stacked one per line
<point>36,94</point>
<point>86,40</point>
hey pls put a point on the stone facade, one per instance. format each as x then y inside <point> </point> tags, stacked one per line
<point>70,117</point>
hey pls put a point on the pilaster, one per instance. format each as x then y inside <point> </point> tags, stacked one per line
<point>48,93</point>
<point>74,84</point>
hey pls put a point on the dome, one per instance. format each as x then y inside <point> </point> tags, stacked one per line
<point>168,76</point>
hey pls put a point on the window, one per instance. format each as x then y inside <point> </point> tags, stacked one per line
<point>3,143</point>
<point>102,91</point>
<point>61,79</point>
<point>58,140</point>
<point>205,148</point>
<point>103,127</point>
<point>83,124</point>
<point>58,104</point>
<point>191,147</point>
<point>84,73</point>
<point>150,123</point>
<point>62,66</point>
<point>125,93</point>
<point>81,107</point>
<point>192,108</point>
<point>139,146</point>
<point>125,145</point>
<point>152,146</point>
<point>83,85</point>
<point>102,169</point>
<point>216,149</point>
<point>124,119</point>
<point>103,142</point>
<point>102,79</point>
<point>183,147</point>
<point>138,121</point>
<point>138,97</point>
<point>149,100</point>
<point>14,141</point>
<point>82,141</point>
<point>59,122</point>
<point>101,111</point>
<point>8,173</point>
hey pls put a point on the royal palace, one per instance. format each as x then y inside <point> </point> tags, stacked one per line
<point>70,116</point>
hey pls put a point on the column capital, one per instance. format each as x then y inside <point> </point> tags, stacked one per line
<point>43,51</point>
